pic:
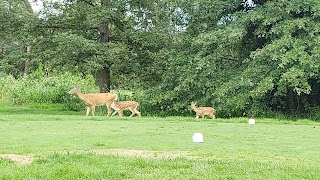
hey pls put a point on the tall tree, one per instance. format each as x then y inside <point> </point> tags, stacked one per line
<point>108,30</point>
<point>17,19</point>
<point>245,61</point>
<point>285,65</point>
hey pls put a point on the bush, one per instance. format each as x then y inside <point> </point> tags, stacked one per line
<point>7,87</point>
<point>45,89</point>
<point>315,114</point>
<point>40,90</point>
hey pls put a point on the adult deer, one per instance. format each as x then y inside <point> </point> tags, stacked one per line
<point>122,105</point>
<point>202,111</point>
<point>91,100</point>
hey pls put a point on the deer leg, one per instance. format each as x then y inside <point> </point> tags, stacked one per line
<point>120,113</point>
<point>132,112</point>
<point>93,108</point>
<point>88,110</point>
<point>202,115</point>
<point>114,113</point>
<point>137,112</point>
<point>197,116</point>
<point>109,109</point>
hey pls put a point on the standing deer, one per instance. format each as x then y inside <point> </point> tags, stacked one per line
<point>203,111</point>
<point>122,105</point>
<point>91,100</point>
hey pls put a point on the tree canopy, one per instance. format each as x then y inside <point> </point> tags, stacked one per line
<point>245,58</point>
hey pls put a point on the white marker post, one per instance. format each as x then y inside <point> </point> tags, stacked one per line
<point>252,121</point>
<point>197,138</point>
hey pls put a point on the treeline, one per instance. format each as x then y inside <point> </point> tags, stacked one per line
<point>245,58</point>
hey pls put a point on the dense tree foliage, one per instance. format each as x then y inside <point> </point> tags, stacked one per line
<point>16,24</point>
<point>104,37</point>
<point>245,58</point>
<point>249,62</point>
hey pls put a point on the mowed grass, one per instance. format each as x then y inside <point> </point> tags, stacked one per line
<point>63,147</point>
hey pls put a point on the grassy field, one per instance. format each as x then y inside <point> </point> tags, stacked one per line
<point>71,146</point>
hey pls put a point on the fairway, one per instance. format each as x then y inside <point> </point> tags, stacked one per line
<point>71,146</point>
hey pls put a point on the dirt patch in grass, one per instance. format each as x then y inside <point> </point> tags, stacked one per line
<point>142,153</point>
<point>25,160</point>
<point>19,159</point>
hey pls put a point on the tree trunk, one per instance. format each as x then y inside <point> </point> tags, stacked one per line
<point>104,78</point>
<point>28,58</point>
<point>27,62</point>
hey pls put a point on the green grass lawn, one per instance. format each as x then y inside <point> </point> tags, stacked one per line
<point>75,147</point>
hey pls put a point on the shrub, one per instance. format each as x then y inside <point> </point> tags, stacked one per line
<point>45,89</point>
<point>7,87</point>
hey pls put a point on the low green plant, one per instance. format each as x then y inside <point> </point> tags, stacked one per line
<point>36,90</point>
<point>40,89</point>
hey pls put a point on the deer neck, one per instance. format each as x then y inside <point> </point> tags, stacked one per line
<point>81,95</point>
<point>114,106</point>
